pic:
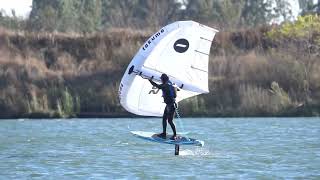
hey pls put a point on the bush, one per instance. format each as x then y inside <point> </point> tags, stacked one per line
<point>304,27</point>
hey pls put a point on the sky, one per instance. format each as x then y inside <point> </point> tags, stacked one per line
<point>23,7</point>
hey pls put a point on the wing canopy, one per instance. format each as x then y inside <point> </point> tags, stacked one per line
<point>181,50</point>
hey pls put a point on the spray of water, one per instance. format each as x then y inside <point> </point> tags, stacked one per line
<point>196,152</point>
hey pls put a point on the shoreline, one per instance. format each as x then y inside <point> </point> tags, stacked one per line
<point>109,116</point>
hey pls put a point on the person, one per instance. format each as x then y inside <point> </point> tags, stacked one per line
<point>169,95</point>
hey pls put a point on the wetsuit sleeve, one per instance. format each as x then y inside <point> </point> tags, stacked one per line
<point>155,84</point>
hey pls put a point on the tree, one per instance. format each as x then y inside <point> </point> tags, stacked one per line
<point>12,22</point>
<point>204,11</point>
<point>69,15</point>
<point>282,9</point>
<point>155,13</point>
<point>43,15</point>
<point>66,15</point>
<point>230,12</point>
<point>318,7</point>
<point>90,15</point>
<point>46,19</point>
<point>256,12</point>
<point>118,13</point>
<point>308,6</point>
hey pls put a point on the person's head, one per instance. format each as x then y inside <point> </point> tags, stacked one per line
<point>164,78</point>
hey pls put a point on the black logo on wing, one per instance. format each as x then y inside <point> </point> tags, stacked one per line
<point>181,45</point>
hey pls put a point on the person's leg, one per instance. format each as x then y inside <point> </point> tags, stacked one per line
<point>164,120</point>
<point>164,124</point>
<point>170,120</point>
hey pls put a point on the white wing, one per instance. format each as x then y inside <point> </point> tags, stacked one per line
<point>181,50</point>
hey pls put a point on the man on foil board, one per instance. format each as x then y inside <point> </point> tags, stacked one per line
<point>177,54</point>
<point>169,93</point>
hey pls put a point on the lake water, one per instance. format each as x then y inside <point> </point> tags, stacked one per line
<point>235,148</point>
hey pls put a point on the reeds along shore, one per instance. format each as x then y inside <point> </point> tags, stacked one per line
<point>255,72</point>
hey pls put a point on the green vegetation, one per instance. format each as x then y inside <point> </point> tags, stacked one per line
<point>304,27</point>
<point>67,58</point>
<point>86,16</point>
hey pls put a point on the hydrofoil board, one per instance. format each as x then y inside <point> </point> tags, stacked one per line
<point>180,140</point>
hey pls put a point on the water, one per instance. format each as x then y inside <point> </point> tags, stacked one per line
<point>247,148</point>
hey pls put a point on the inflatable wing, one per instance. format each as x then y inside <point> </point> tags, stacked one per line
<point>181,50</point>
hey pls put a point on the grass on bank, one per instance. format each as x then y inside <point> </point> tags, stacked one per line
<point>266,71</point>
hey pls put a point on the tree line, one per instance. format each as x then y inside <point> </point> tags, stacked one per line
<point>88,16</point>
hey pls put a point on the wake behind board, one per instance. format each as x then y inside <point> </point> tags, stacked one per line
<point>180,140</point>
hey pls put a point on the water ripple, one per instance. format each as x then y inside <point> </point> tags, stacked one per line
<point>235,148</point>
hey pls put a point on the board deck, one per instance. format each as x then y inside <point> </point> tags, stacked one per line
<point>180,140</point>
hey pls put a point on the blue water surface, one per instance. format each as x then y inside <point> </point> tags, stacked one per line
<point>235,148</point>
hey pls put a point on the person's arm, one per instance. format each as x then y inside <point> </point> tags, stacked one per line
<point>155,84</point>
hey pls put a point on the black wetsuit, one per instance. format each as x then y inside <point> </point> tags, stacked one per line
<point>169,99</point>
